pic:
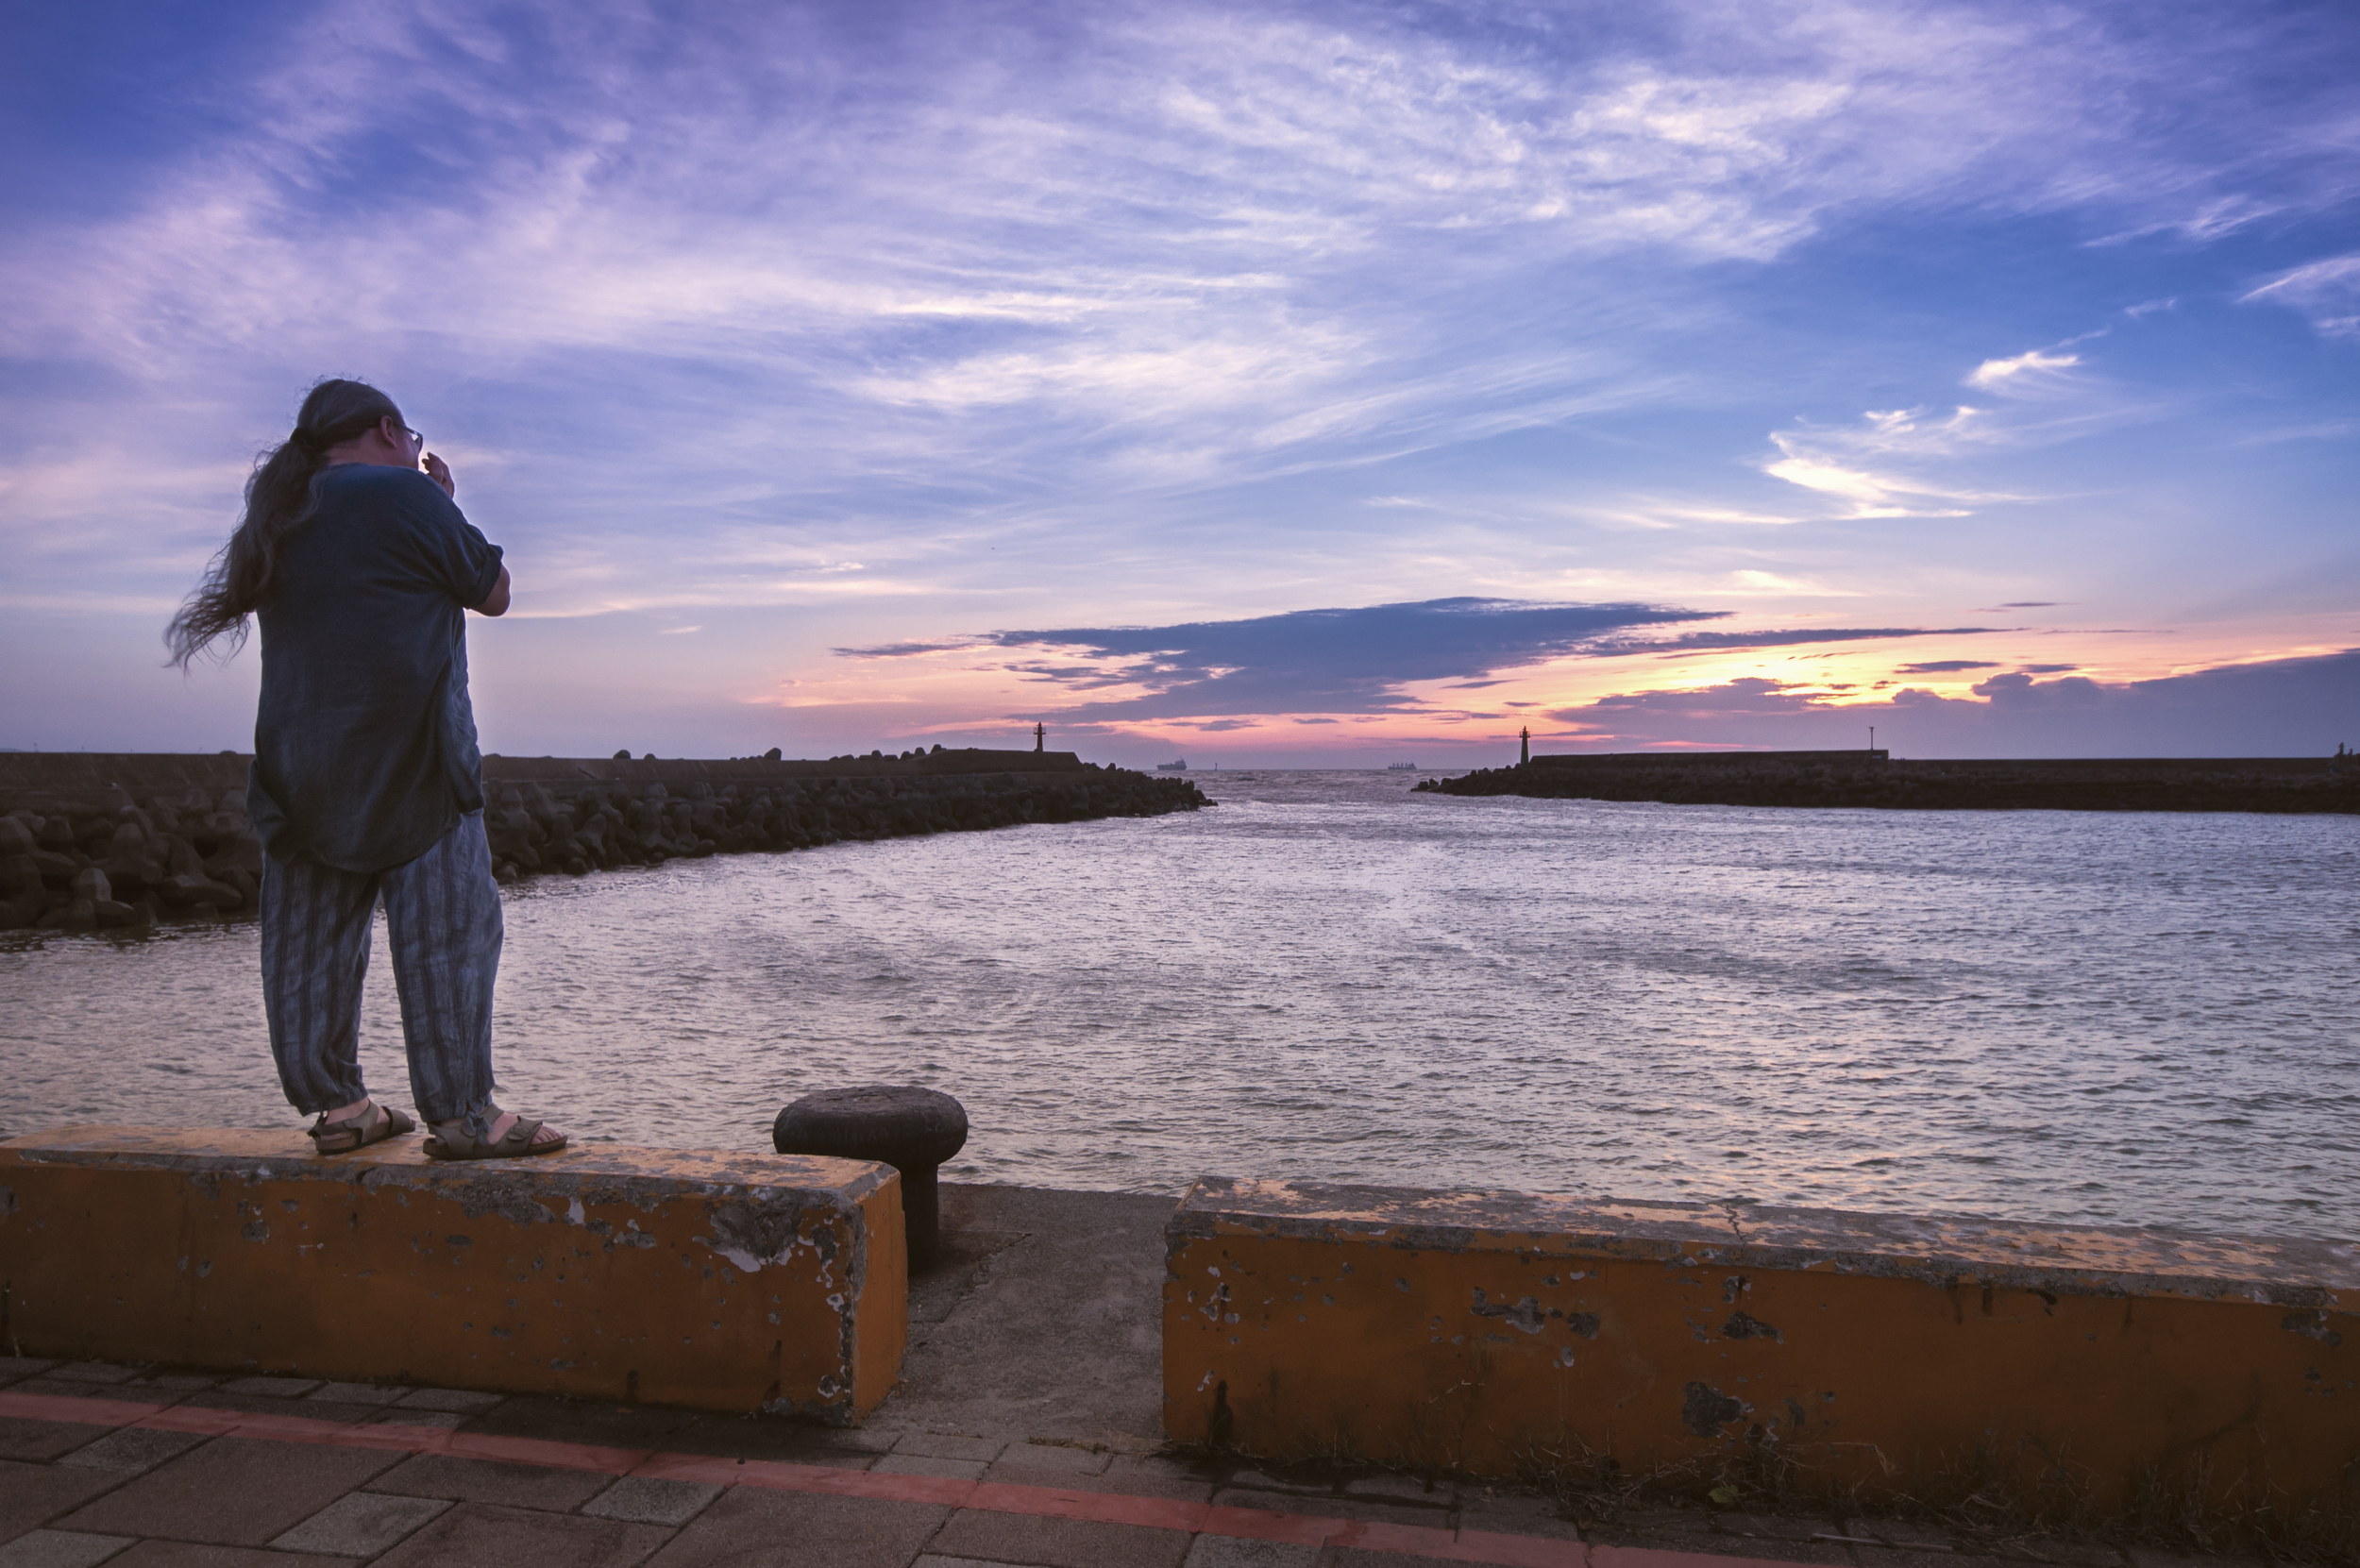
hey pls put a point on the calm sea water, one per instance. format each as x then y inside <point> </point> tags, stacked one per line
<point>2147,1020</point>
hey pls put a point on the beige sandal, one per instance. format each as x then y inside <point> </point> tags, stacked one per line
<point>452,1142</point>
<point>374,1124</point>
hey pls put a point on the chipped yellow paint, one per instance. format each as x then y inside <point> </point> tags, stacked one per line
<point>722,1281</point>
<point>1479,1330</point>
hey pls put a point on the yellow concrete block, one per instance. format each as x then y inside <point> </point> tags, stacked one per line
<point>1485,1331</point>
<point>723,1281</point>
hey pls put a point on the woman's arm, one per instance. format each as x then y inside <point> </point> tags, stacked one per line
<point>496,602</point>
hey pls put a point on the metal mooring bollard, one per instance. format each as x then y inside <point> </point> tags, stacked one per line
<point>914,1130</point>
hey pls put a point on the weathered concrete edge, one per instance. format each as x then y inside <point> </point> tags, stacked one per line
<point>1944,1251</point>
<point>641,1177</point>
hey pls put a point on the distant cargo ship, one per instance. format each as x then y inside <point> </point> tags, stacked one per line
<point>1400,767</point>
<point>1180,767</point>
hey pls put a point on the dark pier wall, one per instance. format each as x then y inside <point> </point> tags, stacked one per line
<point>121,840</point>
<point>2276,785</point>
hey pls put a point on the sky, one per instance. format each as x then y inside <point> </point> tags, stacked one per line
<point>1277,385</point>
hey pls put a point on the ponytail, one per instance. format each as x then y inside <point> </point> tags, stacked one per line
<point>280,497</point>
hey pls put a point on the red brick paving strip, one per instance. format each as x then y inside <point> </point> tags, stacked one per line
<point>1509,1551</point>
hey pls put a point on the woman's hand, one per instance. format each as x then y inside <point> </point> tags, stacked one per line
<point>439,471</point>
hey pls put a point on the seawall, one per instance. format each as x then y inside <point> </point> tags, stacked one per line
<point>2273,785</point>
<point>124,840</point>
<point>1874,1354</point>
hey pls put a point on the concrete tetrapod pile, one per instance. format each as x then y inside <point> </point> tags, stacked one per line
<point>107,860</point>
<point>579,823</point>
<point>120,841</point>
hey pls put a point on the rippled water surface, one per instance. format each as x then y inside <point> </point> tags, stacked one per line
<point>2041,1014</point>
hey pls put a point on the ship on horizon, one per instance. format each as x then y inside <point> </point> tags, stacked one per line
<point>1400,767</point>
<point>1179,767</point>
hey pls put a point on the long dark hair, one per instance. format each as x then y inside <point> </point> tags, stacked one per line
<point>280,498</point>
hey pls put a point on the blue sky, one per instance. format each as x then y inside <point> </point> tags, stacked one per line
<point>1272,384</point>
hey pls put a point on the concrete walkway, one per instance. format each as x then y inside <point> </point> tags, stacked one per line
<point>1026,1432</point>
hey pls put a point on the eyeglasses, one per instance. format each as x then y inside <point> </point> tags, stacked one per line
<point>418,436</point>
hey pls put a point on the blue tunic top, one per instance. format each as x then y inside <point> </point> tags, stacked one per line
<point>364,746</point>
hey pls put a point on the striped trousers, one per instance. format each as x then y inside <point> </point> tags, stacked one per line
<point>442,920</point>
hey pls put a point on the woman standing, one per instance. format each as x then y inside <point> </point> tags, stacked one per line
<point>366,781</point>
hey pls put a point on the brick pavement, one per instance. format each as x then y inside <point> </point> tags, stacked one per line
<point>139,1468</point>
<point>1019,1435</point>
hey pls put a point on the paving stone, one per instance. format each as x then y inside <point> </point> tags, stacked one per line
<point>445,1420</point>
<point>1877,1557</point>
<point>1058,1543</point>
<point>1229,1551</point>
<point>1358,1557</point>
<point>133,1450</point>
<point>93,1372</point>
<point>61,1549</point>
<point>1515,1514</point>
<point>2146,1557</point>
<point>361,1523</point>
<point>516,1486</point>
<point>523,1538</point>
<point>44,1439</point>
<point>930,1560</point>
<point>1407,1489</point>
<point>2073,1553</point>
<point>746,1527</point>
<point>646,1500</point>
<point>189,1554</point>
<point>1047,1460</point>
<point>855,1440</point>
<point>1337,1508</point>
<point>32,1495</point>
<point>1300,1486</point>
<point>1774,1526</point>
<point>1758,1548</point>
<point>739,1438</point>
<point>14,1366</point>
<point>272,1405</point>
<point>1134,1477</point>
<point>466,1401</point>
<point>357,1393</point>
<point>233,1492</point>
<point>60,1388</point>
<point>1677,1529</point>
<point>937,1445</point>
<point>1902,1534</point>
<point>173,1382</point>
<point>272,1388</point>
<point>913,1465</point>
<point>578,1421</point>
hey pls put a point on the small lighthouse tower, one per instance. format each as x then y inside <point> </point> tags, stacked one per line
<point>1525,751</point>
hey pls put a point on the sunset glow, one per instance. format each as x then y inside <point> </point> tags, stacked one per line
<point>1268,385</point>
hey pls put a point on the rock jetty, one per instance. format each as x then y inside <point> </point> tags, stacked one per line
<point>94,841</point>
<point>2279,784</point>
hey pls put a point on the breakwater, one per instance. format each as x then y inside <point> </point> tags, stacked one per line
<point>124,840</point>
<point>2279,784</point>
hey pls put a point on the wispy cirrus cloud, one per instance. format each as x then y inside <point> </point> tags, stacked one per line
<point>2327,292</point>
<point>2020,373</point>
<point>1893,462</point>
